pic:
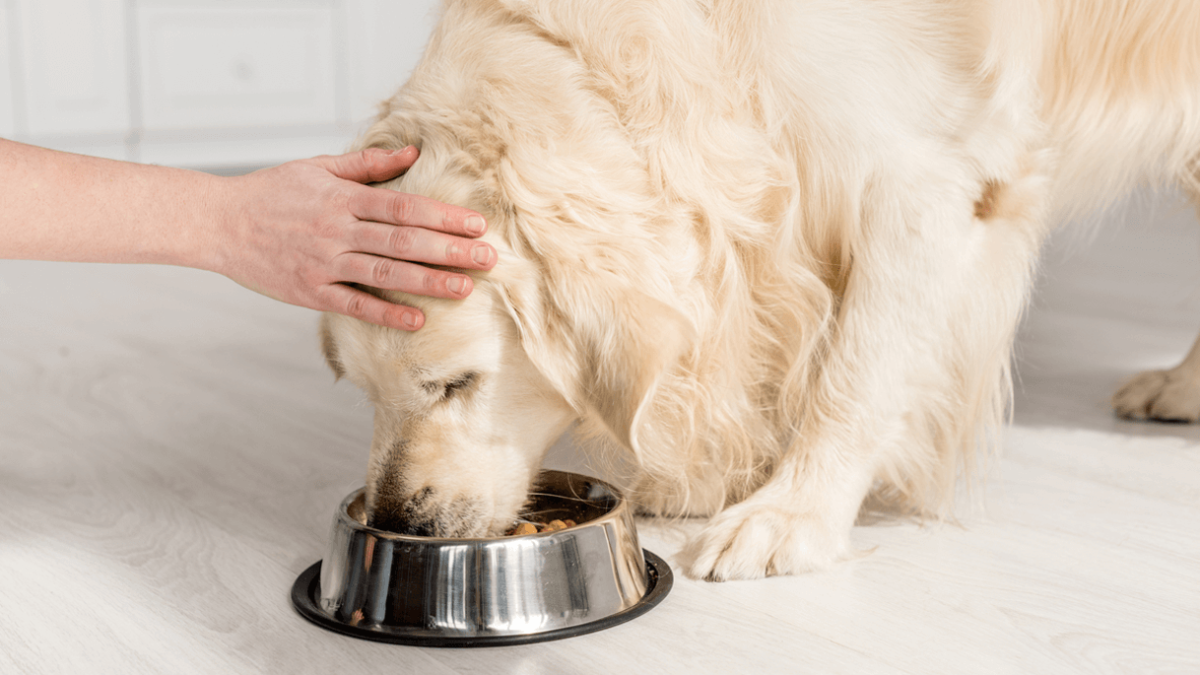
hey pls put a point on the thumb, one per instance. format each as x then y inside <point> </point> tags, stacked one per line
<point>372,165</point>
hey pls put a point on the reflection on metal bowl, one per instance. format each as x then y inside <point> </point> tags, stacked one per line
<point>384,586</point>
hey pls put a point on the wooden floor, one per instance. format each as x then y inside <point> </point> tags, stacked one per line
<point>172,449</point>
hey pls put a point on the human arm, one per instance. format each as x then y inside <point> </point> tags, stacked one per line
<point>298,232</point>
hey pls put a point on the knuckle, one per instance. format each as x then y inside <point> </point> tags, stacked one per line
<point>310,279</point>
<point>341,165</point>
<point>327,163</point>
<point>402,208</point>
<point>381,271</point>
<point>456,254</point>
<point>334,237</point>
<point>343,195</point>
<point>327,229</point>
<point>356,305</point>
<point>431,282</point>
<point>374,159</point>
<point>401,240</point>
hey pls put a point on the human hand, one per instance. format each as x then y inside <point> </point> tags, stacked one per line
<point>306,229</point>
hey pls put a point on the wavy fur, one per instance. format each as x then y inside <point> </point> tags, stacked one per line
<point>776,250</point>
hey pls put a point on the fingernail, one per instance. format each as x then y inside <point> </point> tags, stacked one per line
<point>410,320</point>
<point>482,254</point>
<point>456,285</point>
<point>401,151</point>
<point>475,225</point>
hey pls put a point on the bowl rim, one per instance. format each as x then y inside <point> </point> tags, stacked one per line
<point>344,518</point>
<point>306,588</point>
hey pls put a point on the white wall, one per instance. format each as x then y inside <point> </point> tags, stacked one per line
<point>7,106</point>
<point>210,84</point>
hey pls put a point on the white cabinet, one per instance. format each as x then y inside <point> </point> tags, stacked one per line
<point>384,42</point>
<point>240,84</point>
<point>75,71</point>
<point>261,66</point>
<point>215,84</point>
<point>8,125</point>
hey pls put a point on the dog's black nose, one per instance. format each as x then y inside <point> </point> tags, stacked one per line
<point>426,513</point>
<point>397,520</point>
<point>413,514</point>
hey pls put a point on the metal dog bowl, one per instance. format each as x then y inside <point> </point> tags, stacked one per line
<point>435,592</point>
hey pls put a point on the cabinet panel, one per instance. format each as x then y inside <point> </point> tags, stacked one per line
<point>7,124</point>
<point>223,67</point>
<point>73,62</point>
<point>384,41</point>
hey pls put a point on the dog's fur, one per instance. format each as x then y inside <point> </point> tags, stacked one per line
<point>775,250</point>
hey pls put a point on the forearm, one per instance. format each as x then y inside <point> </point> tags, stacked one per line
<point>65,207</point>
<point>305,232</point>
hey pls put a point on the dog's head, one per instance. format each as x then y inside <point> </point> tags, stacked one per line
<point>466,407</point>
<point>574,323</point>
<point>462,414</point>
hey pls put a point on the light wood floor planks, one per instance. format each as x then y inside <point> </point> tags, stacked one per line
<point>172,449</point>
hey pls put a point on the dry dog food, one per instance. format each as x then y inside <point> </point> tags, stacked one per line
<point>531,527</point>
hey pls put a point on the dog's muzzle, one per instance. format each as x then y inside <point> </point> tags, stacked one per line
<point>425,514</point>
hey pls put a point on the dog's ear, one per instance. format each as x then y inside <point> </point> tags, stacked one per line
<point>604,347</point>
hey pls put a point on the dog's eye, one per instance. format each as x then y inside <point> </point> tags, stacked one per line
<point>449,388</point>
<point>458,384</point>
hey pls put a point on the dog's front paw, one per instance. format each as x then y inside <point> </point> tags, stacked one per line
<point>1166,395</point>
<point>751,540</point>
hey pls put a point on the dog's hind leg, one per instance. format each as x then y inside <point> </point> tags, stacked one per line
<point>915,373</point>
<point>1171,395</point>
<point>1166,395</point>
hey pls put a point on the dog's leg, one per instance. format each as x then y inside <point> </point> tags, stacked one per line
<point>699,495</point>
<point>1171,395</point>
<point>916,366</point>
<point>1167,395</point>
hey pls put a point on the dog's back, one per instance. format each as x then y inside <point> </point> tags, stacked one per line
<point>1120,88</point>
<point>752,135</point>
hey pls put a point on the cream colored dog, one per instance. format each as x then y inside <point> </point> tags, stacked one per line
<point>774,250</point>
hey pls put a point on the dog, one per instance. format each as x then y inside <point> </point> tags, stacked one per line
<point>775,252</point>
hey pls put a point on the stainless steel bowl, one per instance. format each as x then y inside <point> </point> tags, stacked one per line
<point>428,591</point>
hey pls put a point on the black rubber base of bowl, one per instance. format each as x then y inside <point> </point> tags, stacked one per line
<point>307,590</point>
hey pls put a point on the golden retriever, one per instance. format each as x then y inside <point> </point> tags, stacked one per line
<point>774,250</point>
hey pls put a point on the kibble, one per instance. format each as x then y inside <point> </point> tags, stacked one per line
<point>524,529</point>
<point>530,527</point>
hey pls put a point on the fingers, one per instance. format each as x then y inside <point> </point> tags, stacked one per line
<point>397,208</point>
<point>426,246</point>
<point>373,165</point>
<point>396,232</point>
<point>400,275</point>
<point>366,307</point>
